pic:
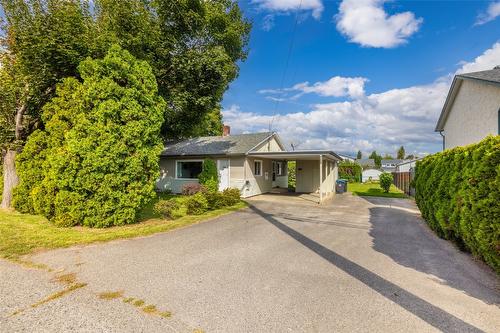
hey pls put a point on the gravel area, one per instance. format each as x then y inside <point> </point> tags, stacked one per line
<point>282,265</point>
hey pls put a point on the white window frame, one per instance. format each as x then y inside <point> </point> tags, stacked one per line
<point>176,164</point>
<point>254,171</point>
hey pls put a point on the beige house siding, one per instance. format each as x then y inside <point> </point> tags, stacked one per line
<point>308,177</point>
<point>240,170</point>
<point>270,145</point>
<point>257,184</point>
<point>473,115</point>
<point>167,179</point>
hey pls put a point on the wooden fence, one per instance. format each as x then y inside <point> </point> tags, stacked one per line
<point>402,180</point>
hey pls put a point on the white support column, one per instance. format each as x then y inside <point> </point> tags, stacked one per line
<point>320,178</point>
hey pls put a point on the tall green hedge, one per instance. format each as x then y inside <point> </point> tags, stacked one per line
<point>458,193</point>
<point>350,170</point>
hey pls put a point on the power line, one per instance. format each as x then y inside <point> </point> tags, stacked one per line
<point>290,48</point>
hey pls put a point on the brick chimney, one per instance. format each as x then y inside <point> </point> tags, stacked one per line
<point>226,130</point>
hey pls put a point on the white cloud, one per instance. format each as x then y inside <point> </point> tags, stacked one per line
<point>381,121</point>
<point>488,60</point>
<point>336,86</point>
<point>367,23</point>
<point>491,13</point>
<point>315,6</point>
<point>377,121</point>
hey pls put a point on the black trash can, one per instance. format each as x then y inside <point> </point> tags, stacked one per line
<point>341,186</point>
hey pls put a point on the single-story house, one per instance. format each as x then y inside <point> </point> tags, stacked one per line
<point>366,162</point>
<point>253,163</point>
<point>390,165</point>
<point>370,175</point>
<point>472,109</point>
<point>407,166</point>
<point>347,158</point>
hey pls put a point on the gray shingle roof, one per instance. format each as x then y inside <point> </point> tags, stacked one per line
<point>215,145</point>
<point>492,75</point>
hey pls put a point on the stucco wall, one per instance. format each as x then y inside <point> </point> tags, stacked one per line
<point>307,176</point>
<point>258,184</point>
<point>240,170</point>
<point>167,179</point>
<point>269,145</point>
<point>473,115</point>
<point>308,180</point>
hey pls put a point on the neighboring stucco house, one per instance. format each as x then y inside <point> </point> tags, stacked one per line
<point>472,109</point>
<point>407,166</point>
<point>253,163</point>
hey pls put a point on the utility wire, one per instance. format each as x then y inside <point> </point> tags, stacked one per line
<point>290,49</point>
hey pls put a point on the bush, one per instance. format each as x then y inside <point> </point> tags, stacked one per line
<point>192,188</point>
<point>292,175</point>
<point>95,162</point>
<point>209,176</point>
<point>350,171</point>
<point>167,208</point>
<point>385,181</point>
<point>226,198</point>
<point>231,196</point>
<point>458,193</point>
<point>215,200</point>
<point>197,204</point>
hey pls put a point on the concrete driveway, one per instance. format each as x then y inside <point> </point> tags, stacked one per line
<point>282,265</point>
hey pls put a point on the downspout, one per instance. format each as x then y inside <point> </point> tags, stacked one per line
<point>441,133</point>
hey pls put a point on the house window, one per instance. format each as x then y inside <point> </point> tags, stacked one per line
<point>188,169</point>
<point>257,168</point>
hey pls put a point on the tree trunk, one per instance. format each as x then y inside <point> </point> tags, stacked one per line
<point>10,178</point>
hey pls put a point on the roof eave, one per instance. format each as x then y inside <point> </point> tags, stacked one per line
<point>450,98</point>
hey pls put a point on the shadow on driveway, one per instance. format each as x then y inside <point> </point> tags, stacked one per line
<point>409,242</point>
<point>433,315</point>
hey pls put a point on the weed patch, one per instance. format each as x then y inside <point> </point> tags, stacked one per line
<point>109,295</point>
<point>59,294</point>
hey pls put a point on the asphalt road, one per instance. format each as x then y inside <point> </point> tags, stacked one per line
<point>282,265</point>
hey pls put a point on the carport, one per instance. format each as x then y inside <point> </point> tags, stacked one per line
<point>316,171</point>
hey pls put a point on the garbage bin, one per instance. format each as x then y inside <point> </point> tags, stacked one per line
<point>341,186</point>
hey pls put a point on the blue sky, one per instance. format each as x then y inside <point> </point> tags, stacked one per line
<point>362,74</point>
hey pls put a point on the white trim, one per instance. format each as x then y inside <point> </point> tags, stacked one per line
<point>197,160</point>
<point>261,166</point>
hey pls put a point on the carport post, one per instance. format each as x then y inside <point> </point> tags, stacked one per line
<point>320,178</point>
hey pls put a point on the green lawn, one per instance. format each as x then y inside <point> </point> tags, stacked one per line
<point>374,190</point>
<point>22,234</point>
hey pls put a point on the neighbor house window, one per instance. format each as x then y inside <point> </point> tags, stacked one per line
<point>257,168</point>
<point>279,169</point>
<point>188,169</point>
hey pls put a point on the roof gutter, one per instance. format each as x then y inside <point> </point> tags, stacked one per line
<point>441,133</point>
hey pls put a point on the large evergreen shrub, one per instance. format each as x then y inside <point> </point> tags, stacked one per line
<point>458,193</point>
<point>209,176</point>
<point>351,171</point>
<point>96,161</point>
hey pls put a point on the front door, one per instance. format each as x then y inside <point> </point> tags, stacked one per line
<point>223,168</point>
